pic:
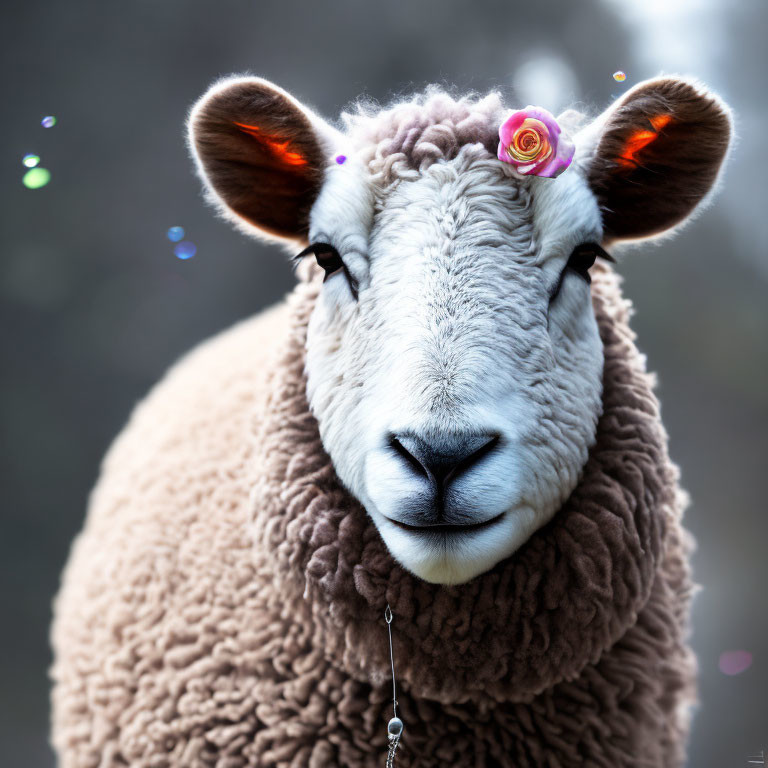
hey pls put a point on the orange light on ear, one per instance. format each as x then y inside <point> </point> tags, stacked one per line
<point>280,148</point>
<point>640,139</point>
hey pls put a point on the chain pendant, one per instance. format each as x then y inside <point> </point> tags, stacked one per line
<point>395,725</point>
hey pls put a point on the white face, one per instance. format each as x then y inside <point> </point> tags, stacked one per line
<point>455,399</point>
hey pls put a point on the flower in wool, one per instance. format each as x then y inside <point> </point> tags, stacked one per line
<point>530,142</point>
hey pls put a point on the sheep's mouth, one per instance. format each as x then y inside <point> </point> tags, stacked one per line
<point>443,528</point>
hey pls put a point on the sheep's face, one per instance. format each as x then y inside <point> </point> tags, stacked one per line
<point>453,359</point>
<point>458,392</point>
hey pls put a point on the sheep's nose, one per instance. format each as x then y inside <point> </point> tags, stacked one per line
<point>441,459</point>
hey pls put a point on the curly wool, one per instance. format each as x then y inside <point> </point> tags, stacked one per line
<point>224,603</point>
<point>405,139</point>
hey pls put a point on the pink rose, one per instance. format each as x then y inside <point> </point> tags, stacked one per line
<point>531,143</point>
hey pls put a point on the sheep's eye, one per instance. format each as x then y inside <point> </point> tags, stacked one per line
<point>581,259</point>
<point>329,260</point>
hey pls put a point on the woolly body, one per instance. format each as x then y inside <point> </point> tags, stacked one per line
<point>224,605</point>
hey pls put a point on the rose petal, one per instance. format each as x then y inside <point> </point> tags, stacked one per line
<point>514,172</point>
<point>533,168</point>
<point>546,117</point>
<point>561,160</point>
<point>526,169</point>
<point>510,125</point>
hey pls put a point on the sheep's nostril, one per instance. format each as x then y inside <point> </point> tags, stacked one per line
<point>444,457</point>
<point>409,457</point>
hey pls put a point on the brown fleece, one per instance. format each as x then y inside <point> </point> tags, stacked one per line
<point>224,603</point>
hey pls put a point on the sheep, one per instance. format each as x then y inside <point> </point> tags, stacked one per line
<point>448,415</point>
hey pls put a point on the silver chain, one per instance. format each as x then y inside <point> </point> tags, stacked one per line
<point>395,725</point>
<point>392,749</point>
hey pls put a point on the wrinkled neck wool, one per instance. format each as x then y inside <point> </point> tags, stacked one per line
<point>537,618</point>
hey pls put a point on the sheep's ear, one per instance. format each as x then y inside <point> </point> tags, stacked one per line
<point>261,155</point>
<point>657,153</point>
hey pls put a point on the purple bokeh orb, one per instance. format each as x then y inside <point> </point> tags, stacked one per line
<point>735,662</point>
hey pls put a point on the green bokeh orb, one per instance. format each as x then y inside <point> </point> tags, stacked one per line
<point>36,178</point>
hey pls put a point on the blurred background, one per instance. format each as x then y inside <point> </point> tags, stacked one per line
<point>95,305</point>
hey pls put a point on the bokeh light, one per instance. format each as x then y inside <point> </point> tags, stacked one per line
<point>175,234</point>
<point>48,121</point>
<point>31,160</point>
<point>185,250</point>
<point>619,76</point>
<point>735,662</point>
<point>36,178</point>
<point>545,78</point>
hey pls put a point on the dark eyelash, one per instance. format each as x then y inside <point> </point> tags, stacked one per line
<point>316,249</point>
<point>310,249</point>
<point>581,250</point>
<point>601,252</point>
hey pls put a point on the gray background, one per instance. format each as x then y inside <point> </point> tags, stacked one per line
<point>95,306</point>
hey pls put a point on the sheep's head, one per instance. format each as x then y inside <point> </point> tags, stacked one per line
<point>453,359</point>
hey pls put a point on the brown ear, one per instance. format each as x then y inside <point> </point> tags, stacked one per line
<point>659,151</point>
<point>261,154</point>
